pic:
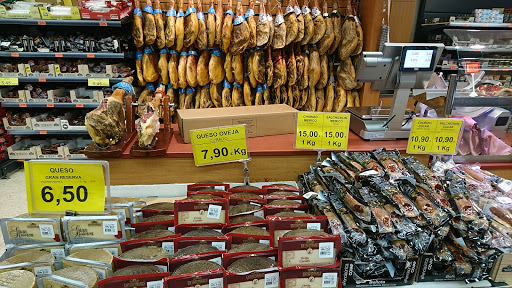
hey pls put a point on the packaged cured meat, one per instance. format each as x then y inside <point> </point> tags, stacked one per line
<point>226,94</point>
<point>216,67</point>
<point>365,160</point>
<point>456,186</point>
<point>137,34</point>
<point>238,68</point>
<point>329,92</point>
<point>314,67</point>
<point>170,25</point>
<point>203,77</point>
<point>149,64</point>
<point>258,99</point>
<point>309,26</point>
<point>159,24</point>
<point>280,73</point>
<point>219,22</point>
<point>349,38</point>
<point>393,194</point>
<point>149,24</point>
<point>300,22</point>
<point>192,68</point>
<point>191,25</point>
<point>237,99</point>
<point>163,68</point>
<point>182,71</point>
<point>391,162</point>
<point>336,26</point>
<point>346,75</point>
<point>211,25</point>
<point>324,72</point>
<point>138,66</point>
<point>318,24</point>
<point>173,69</point>
<point>266,95</point>
<point>228,68</point>
<point>263,26</point>
<point>202,38</point>
<point>241,34</point>
<point>248,93</point>
<point>291,68</point>
<point>290,20</point>
<point>180,27</point>
<point>340,99</point>
<point>328,38</point>
<point>216,94</point>
<point>269,69</point>
<point>279,37</point>
<point>190,95</point>
<point>303,69</point>
<point>249,17</point>
<point>227,28</point>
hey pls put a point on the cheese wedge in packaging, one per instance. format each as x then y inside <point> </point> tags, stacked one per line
<point>113,247</point>
<point>25,229</point>
<point>18,279</point>
<point>38,262</point>
<point>73,277</point>
<point>83,229</point>
<point>98,259</point>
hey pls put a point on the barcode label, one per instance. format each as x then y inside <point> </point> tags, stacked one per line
<point>162,268</point>
<point>505,185</point>
<point>266,242</point>
<point>155,284</point>
<point>171,229</point>
<point>112,251</point>
<point>101,273</point>
<point>46,231</point>
<point>313,226</point>
<point>326,250</point>
<point>299,211</point>
<point>214,211</point>
<point>217,260</point>
<point>58,253</point>
<point>272,280</point>
<point>169,247</point>
<point>216,283</point>
<point>329,280</point>
<point>259,213</point>
<point>43,270</point>
<point>109,227</point>
<point>219,245</point>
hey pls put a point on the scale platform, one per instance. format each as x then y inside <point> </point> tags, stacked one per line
<point>370,122</point>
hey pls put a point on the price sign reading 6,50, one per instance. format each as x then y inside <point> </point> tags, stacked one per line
<point>434,136</point>
<point>58,186</point>
<point>219,145</point>
<point>317,130</point>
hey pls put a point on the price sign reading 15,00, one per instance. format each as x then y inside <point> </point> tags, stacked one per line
<point>317,130</point>
<point>434,136</point>
<point>58,186</point>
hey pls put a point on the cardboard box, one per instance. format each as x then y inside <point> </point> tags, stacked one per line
<point>33,13</point>
<point>47,14</point>
<point>81,71</point>
<point>94,96</point>
<point>430,271</point>
<point>21,96</point>
<point>60,150</point>
<point>51,95</point>
<point>51,71</point>
<point>22,72</point>
<point>113,14</point>
<point>74,144</point>
<point>15,151</point>
<point>27,126</point>
<point>45,125</point>
<point>501,270</point>
<point>260,120</point>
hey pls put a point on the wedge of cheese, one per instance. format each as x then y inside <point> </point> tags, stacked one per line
<point>96,258</point>
<point>39,262</point>
<point>18,279</point>
<point>82,274</point>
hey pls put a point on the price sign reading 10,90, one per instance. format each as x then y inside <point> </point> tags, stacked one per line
<point>434,136</point>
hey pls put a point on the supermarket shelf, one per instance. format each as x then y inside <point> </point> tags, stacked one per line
<point>49,132</point>
<point>482,101</point>
<point>62,79</point>
<point>486,69</point>
<point>62,55</point>
<point>88,23</point>
<point>51,105</point>
<point>467,25</point>
<point>468,49</point>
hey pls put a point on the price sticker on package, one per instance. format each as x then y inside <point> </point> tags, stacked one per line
<point>434,136</point>
<point>8,81</point>
<point>59,186</point>
<point>98,82</point>
<point>317,130</point>
<point>219,145</point>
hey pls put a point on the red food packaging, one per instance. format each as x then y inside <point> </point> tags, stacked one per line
<point>221,194</point>
<point>311,277</point>
<point>237,238</point>
<point>166,243</point>
<point>201,186</point>
<point>163,263</point>
<point>278,226</point>
<point>297,198</point>
<point>133,281</point>
<point>259,202</point>
<point>271,210</point>
<point>277,188</point>
<point>257,279</point>
<point>221,243</point>
<point>185,228</point>
<point>152,212</point>
<point>144,226</point>
<point>309,251</point>
<point>205,279</point>
<point>215,257</point>
<point>201,211</point>
<point>260,192</point>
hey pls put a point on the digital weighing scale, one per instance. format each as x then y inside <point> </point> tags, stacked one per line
<point>399,67</point>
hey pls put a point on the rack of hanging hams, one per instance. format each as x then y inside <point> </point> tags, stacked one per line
<point>230,56</point>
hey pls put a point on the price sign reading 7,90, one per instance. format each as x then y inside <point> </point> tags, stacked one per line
<point>317,130</point>
<point>434,136</point>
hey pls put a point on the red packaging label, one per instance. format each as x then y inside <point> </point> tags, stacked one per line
<point>310,251</point>
<point>311,277</point>
<point>201,211</point>
<point>201,186</point>
<point>132,281</point>
<point>205,279</point>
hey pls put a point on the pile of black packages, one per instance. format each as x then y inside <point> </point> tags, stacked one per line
<point>390,211</point>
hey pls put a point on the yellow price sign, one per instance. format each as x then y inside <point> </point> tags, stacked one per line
<point>8,81</point>
<point>219,145</point>
<point>58,186</point>
<point>318,130</point>
<point>434,136</point>
<point>98,82</point>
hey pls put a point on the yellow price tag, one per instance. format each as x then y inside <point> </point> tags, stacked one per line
<point>57,186</point>
<point>98,82</point>
<point>434,136</point>
<point>8,81</point>
<point>219,145</point>
<point>317,130</point>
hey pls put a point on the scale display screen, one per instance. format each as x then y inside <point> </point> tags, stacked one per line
<point>418,58</point>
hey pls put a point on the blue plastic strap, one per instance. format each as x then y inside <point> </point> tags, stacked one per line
<point>211,10</point>
<point>180,14</point>
<point>200,16</point>
<point>226,84</point>
<point>182,90</point>
<point>237,85</point>
<point>259,88</point>
<point>173,52</point>
<point>163,50</point>
<point>157,11</point>
<point>138,55</point>
<point>193,52</point>
<point>171,12</point>
<point>149,49</point>
<point>230,13</point>
<point>148,9</point>
<point>190,90</point>
<point>265,86</point>
<point>207,85</point>
<point>249,13</point>
<point>183,53</point>
<point>216,52</point>
<point>169,86</point>
<point>239,19</point>
<point>137,12</point>
<point>150,86</point>
<point>127,87</point>
<point>190,10</point>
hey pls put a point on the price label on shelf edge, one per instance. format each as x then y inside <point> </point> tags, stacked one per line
<point>8,81</point>
<point>57,186</point>
<point>318,130</point>
<point>434,136</point>
<point>219,145</point>
<point>472,67</point>
<point>98,82</point>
